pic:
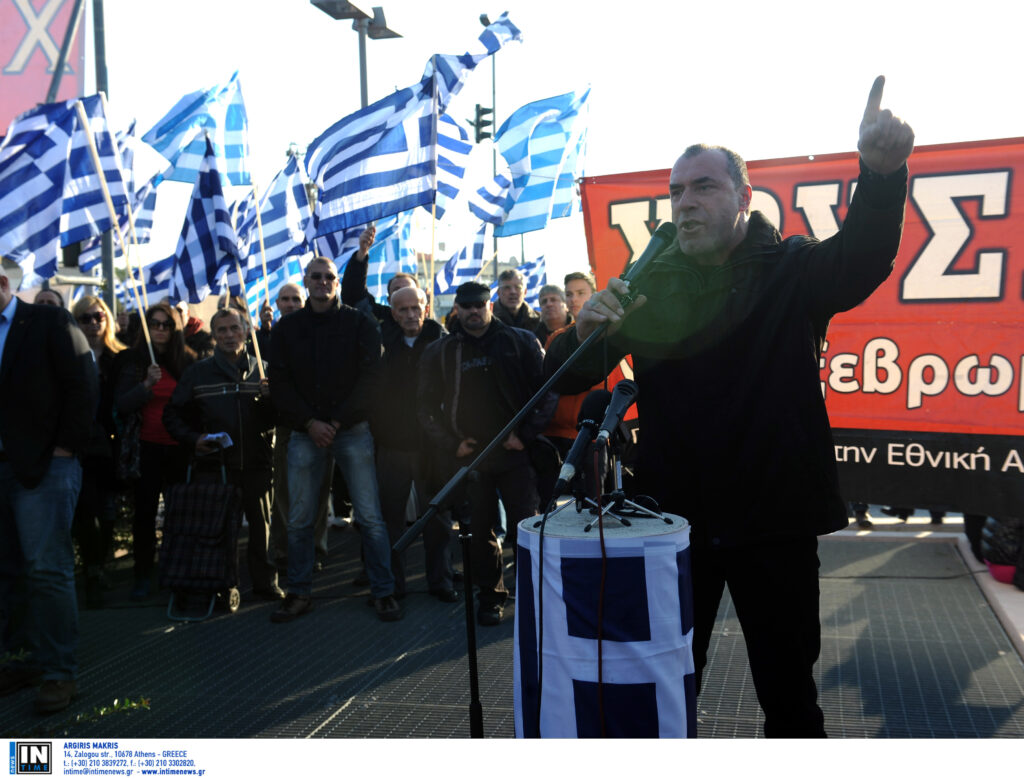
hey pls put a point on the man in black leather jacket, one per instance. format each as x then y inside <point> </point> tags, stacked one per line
<point>471,384</point>
<point>726,339</point>
<point>223,394</point>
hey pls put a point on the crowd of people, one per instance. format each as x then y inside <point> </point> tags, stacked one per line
<point>381,398</point>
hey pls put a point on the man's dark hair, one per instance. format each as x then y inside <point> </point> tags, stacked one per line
<point>415,281</point>
<point>228,311</point>
<point>578,275</point>
<point>512,273</point>
<point>737,167</point>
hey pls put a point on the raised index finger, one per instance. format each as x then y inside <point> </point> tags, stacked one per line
<point>874,106</point>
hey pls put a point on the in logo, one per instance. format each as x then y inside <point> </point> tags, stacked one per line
<point>33,757</point>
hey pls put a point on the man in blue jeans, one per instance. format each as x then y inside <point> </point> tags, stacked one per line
<point>324,369</point>
<point>48,394</point>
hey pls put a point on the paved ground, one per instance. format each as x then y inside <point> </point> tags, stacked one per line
<point>911,648</point>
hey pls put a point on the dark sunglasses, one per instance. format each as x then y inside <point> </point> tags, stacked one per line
<point>161,324</point>
<point>474,304</point>
<point>323,276</point>
<point>96,317</point>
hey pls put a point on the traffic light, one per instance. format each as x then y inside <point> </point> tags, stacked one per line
<point>481,122</point>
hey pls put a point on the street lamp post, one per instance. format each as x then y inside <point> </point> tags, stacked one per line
<point>368,24</point>
<point>486,22</point>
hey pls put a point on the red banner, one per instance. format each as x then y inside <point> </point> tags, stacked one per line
<point>31,34</point>
<point>938,349</point>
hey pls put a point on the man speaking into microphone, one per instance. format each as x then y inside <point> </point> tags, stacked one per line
<point>726,332</point>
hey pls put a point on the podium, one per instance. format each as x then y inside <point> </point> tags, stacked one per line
<point>645,686</point>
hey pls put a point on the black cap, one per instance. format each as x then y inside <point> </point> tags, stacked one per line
<point>472,292</point>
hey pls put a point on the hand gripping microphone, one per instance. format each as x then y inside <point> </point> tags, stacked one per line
<point>623,396</point>
<point>663,236</point>
<point>590,411</point>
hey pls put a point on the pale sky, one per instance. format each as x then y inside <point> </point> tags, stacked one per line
<point>769,79</point>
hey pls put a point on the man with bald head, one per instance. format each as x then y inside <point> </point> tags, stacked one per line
<point>726,335</point>
<point>403,460</point>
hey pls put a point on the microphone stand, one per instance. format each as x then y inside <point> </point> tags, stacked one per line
<point>444,495</point>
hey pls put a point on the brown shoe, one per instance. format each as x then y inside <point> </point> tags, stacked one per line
<point>55,695</point>
<point>294,606</point>
<point>387,608</point>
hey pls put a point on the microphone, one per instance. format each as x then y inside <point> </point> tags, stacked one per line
<point>623,397</point>
<point>663,236</point>
<point>590,411</point>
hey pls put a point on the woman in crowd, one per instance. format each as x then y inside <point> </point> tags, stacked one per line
<point>95,513</point>
<point>149,455</point>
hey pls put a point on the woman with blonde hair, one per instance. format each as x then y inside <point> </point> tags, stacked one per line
<point>93,526</point>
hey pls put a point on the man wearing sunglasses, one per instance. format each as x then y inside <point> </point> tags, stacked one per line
<point>324,371</point>
<point>472,382</point>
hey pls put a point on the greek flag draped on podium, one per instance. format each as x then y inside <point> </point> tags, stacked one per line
<point>536,274</point>
<point>542,143</point>
<point>179,135</point>
<point>383,159</point>
<point>50,192</point>
<point>208,245</point>
<point>284,213</point>
<point>464,265</point>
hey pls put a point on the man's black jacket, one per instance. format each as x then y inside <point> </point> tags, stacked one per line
<point>734,434</point>
<point>324,366</point>
<point>518,360</point>
<point>394,423</point>
<point>524,316</point>
<point>48,389</point>
<point>218,395</point>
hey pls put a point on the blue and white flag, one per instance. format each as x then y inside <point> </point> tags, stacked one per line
<point>390,254</point>
<point>383,159</point>
<point>208,246</point>
<point>144,204</point>
<point>541,142</point>
<point>156,278</point>
<point>284,213</point>
<point>452,155</point>
<point>536,274</point>
<point>465,265</point>
<point>490,201</point>
<point>180,135</point>
<point>50,192</point>
<point>290,272</point>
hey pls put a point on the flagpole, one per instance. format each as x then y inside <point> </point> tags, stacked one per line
<point>483,267</point>
<point>131,225</point>
<point>433,205</point>
<point>263,251</point>
<point>84,119</point>
<point>248,317</point>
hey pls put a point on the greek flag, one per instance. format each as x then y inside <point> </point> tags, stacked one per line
<point>541,142</point>
<point>383,159</point>
<point>390,254</point>
<point>284,213</point>
<point>453,152</point>
<point>536,274</point>
<point>488,203</point>
<point>157,280</point>
<point>219,112</point>
<point>50,193</point>
<point>144,204</point>
<point>208,245</point>
<point>464,265</point>
<point>290,271</point>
